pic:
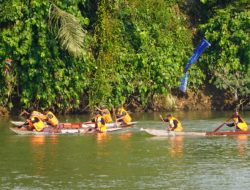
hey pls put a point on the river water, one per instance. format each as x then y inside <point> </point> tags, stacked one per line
<point>129,159</point>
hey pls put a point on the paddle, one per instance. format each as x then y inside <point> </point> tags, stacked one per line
<point>98,109</point>
<point>218,128</point>
<point>113,110</point>
<point>168,129</point>
<point>24,112</point>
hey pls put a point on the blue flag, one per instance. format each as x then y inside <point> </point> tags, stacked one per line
<point>197,52</point>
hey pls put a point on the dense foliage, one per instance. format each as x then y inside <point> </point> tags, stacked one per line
<point>228,61</point>
<point>45,75</point>
<point>71,54</point>
<point>140,51</point>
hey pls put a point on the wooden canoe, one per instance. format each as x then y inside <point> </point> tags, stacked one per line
<point>112,124</point>
<point>80,124</point>
<point>21,131</point>
<point>165,133</point>
<point>18,123</point>
<point>227,133</point>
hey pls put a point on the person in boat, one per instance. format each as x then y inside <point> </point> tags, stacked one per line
<point>33,114</point>
<point>47,117</point>
<point>238,122</point>
<point>106,114</point>
<point>32,120</point>
<point>100,124</point>
<point>51,119</point>
<point>174,124</point>
<point>123,116</point>
<point>36,124</point>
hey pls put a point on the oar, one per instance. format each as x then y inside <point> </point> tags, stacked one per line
<point>164,123</point>
<point>98,108</point>
<point>218,128</point>
<point>113,110</point>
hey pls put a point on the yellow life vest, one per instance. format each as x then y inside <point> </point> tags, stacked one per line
<point>242,126</point>
<point>125,118</point>
<point>39,125</point>
<point>51,119</point>
<point>99,124</point>
<point>179,126</point>
<point>107,116</point>
<point>38,114</point>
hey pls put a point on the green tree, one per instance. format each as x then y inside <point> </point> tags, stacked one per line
<point>140,51</point>
<point>46,75</point>
<point>228,60</point>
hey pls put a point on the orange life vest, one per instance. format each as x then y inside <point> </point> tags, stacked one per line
<point>179,126</point>
<point>123,114</point>
<point>51,119</point>
<point>100,123</point>
<point>37,123</point>
<point>38,114</point>
<point>240,124</point>
<point>106,116</point>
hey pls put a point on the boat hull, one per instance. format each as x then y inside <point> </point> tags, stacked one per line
<point>80,124</point>
<point>165,133</point>
<point>20,131</point>
<point>227,133</point>
<point>111,125</point>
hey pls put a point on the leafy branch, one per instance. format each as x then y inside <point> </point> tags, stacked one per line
<point>68,30</point>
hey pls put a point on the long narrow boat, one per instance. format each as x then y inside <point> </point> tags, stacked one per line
<point>21,131</point>
<point>165,133</point>
<point>112,124</point>
<point>81,124</point>
<point>227,133</point>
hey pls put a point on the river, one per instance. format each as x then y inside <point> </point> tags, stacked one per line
<point>130,159</point>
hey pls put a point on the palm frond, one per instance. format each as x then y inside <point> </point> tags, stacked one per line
<point>68,30</point>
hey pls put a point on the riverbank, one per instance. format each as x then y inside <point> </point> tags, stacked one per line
<point>201,100</point>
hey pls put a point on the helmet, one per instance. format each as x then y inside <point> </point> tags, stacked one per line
<point>96,112</point>
<point>235,115</point>
<point>103,107</point>
<point>169,115</point>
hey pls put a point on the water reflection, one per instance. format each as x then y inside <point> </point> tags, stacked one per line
<point>39,152</point>
<point>101,137</point>
<point>37,140</point>
<point>242,144</point>
<point>53,139</point>
<point>176,146</point>
<point>125,136</point>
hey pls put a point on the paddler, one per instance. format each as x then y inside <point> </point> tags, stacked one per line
<point>36,124</point>
<point>123,116</point>
<point>33,114</point>
<point>33,121</point>
<point>51,119</point>
<point>106,114</point>
<point>100,124</point>
<point>47,117</point>
<point>238,122</point>
<point>174,124</point>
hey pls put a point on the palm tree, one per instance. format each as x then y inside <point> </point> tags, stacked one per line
<point>68,30</point>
